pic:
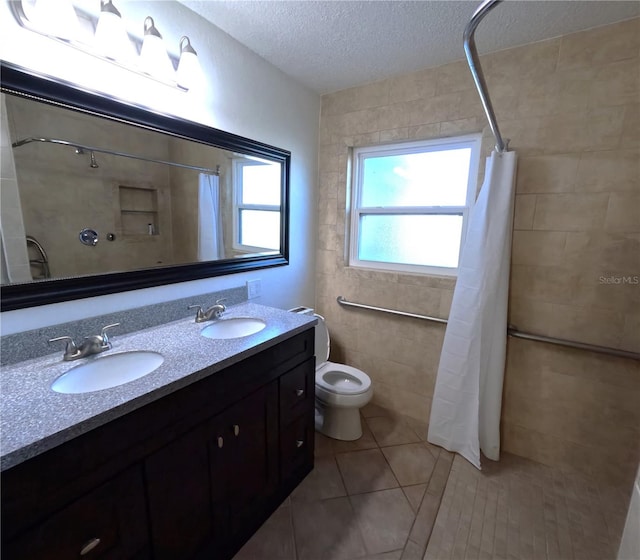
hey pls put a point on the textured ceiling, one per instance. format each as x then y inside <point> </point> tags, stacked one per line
<point>333,45</point>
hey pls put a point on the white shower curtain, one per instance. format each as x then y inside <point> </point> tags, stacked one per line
<point>465,412</point>
<point>210,245</point>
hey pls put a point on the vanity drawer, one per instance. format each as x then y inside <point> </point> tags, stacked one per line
<point>297,445</point>
<point>297,391</point>
<point>109,522</point>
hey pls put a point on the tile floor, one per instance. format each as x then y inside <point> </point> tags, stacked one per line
<point>393,496</point>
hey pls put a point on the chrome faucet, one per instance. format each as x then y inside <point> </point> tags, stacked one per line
<point>214,312</point>
<point>91,344</point>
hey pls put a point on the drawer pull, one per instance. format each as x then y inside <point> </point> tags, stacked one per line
<point>236,429</point>
<point>299,442</point>
<point>220,442</point>
<point>299,392</point>
<point>89,546</point>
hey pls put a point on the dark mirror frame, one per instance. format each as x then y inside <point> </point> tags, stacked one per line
<point>15,80</point>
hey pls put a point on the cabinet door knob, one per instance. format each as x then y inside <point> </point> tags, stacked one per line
<point>220,442</point>
<point>236,429</point>
<point>299,392</point>
<point>89,546</point>
<point>299,443</point>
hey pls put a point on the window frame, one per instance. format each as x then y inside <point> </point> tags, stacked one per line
<point>356,211</point>
<point>237,185</point>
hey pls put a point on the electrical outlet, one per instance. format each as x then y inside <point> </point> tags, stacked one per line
<point>254,289</point>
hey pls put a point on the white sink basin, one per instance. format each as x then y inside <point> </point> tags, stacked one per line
<point>234,327</point>
<point>107,371</point>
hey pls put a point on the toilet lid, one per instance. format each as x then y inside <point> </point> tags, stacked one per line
<point>342,379</point>
<point>323,343</point>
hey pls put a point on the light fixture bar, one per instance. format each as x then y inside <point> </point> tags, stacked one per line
<point>18,10</point>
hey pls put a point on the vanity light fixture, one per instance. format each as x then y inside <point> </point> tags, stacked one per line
<point>73,23</point>
<point>111,37</point>
<point>189,72</point>
<point>154,59</point>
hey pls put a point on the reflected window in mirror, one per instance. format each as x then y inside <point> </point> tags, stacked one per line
<point>256,205</point>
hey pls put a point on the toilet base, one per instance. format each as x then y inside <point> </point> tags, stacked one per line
<point>338,423</point>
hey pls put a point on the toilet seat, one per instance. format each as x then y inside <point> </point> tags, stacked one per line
<point>342,379</point>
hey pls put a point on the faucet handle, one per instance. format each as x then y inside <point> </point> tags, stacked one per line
<point>199,314</point>
<point>103,334</point>
<point>70,349</point>
<point>219,302</point>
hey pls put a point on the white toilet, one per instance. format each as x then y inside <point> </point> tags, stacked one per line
<point>340,391</point>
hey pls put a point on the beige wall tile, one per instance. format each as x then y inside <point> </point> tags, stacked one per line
<point>602,251</point>
<point>623,213</point>
<point>424,131</point>
<point>353,99</point>
<point>460,126</point>
<point>547,174</point>
<point>469,105</point>
<point>394,135</point>
<point>434,109</point>
<point>394,116</point>
<point>631,333</point>
<point>528,61</point>
<point>615,84</point>
<point>453,77</point>
<point>542,283</point>
<point>525,206</point>
<point>544,248</point>
<point>570,212</point>
<point>630,137</point>
<point>610,43</point>
<point>409,87</point>
<point>609,171</point>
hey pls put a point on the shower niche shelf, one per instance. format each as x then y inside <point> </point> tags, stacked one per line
<point>138,211</point>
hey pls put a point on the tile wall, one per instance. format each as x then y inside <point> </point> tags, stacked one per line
<point>61,194</point>
<point>571,107</point>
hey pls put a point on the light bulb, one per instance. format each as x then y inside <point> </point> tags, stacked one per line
<point>189,74</point>
<point>56,18</point>
<point>154,59</point>
<point>111,38</point>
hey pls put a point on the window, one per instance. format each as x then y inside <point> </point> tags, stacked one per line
<point>410,203</point>
<point>256,209</point>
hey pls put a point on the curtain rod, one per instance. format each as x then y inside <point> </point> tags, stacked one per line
<point>511,331</point>
<point>476,70</point>
<point>77,146</point>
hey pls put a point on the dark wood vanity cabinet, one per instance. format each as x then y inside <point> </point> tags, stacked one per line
<point>192,475</point>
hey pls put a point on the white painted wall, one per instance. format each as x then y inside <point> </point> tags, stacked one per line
<point>244,94</point>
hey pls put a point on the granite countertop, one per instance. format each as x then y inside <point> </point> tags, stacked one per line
<point>35,418</point>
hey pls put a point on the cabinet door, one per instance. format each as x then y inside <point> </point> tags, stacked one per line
<point>244,458</point>
<point>296,446</point>
<point>108,523</point>
<point>178,487</point>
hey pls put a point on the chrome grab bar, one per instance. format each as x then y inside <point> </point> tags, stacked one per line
<point>43,261</point>
<point>476,70</point>
<point>511,331</point>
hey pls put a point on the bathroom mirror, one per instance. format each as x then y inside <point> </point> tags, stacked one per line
<point>108,197</point>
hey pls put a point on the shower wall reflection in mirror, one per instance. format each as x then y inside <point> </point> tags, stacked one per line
<point>152,199</point>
